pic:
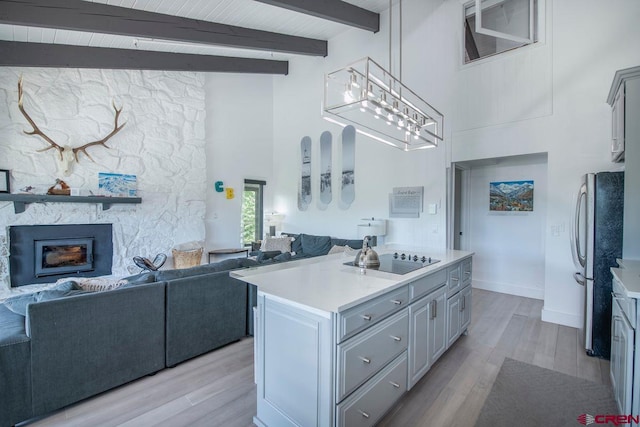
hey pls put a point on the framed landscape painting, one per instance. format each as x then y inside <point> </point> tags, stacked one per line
<point>511,196</point>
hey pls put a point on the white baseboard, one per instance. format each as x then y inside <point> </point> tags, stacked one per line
<point>561,318</point>
<point>505,288</point>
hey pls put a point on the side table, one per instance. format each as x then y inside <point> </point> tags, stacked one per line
<point>222,253</point>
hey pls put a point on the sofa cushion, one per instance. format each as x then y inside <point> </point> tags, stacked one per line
<point>352,243</point>
<point>224,265</point>
<point>315,245</point>
<point>18,304</point>
<point>140,279</point>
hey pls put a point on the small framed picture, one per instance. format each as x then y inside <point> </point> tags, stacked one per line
<point>4,181</point>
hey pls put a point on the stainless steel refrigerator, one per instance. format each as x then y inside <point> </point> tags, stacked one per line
<point>596,243</point>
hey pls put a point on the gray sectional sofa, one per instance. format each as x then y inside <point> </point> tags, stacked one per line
<point>61,346</point>
<point>79,343</point>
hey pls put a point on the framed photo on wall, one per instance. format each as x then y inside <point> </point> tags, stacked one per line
<point>511,196</point>
<point>4,181</point>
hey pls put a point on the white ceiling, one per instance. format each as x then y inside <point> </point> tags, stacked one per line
<point>242,13</point>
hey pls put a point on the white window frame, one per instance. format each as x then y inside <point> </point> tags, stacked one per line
<point>539,35</point>
<point>489,32</point>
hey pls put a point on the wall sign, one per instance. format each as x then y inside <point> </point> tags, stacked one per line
<point>406,202</point>
<point>228,191</point>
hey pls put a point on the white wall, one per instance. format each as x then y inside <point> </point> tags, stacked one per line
<point>162,143</point>
<point>509,246</point>
<point>559,108</point>
<point>239,146</point>
<point>379,168</point>
<point>546,98</point>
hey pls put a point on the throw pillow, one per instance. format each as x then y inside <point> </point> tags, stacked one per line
<point>95,284</point>
<point>296,242</point>
<point>282,244</point>
<point>336,250</point>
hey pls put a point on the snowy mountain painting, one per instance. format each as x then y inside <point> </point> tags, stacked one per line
<point>511,196</point>
<point>115,184</point>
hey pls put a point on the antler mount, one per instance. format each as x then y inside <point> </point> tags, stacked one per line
<point>67,154</point>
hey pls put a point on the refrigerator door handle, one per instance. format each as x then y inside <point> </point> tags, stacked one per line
<point>579,277</point>
<point>581,258</point>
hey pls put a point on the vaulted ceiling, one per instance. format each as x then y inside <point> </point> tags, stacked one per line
<point>251,36</point>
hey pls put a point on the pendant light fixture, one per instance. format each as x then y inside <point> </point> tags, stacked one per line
<point>379,105</point>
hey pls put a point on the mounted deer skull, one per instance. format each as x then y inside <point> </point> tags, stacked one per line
<point>67,154</point>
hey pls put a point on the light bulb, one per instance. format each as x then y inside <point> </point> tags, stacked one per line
<point>348,95</point>
<point>354,80</point>
<point>370,90</point>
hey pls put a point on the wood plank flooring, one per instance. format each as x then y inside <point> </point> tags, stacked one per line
<point>217,389</point>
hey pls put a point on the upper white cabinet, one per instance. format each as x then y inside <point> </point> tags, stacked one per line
<point>624,98</point>
<point>617,126</point>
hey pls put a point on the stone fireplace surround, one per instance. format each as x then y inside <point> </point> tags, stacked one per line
<point>26,240</point>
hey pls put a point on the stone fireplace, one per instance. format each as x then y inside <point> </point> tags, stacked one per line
<point>46,253</point>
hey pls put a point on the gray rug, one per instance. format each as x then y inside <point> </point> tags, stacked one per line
<point>527,395</point>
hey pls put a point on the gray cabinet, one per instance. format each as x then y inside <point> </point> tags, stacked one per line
<point>459,300</point>
<point>315,367</point>
<point>294,352</point>
<point>427,331</point>
<point>621,367</point>
<point>624,98</point>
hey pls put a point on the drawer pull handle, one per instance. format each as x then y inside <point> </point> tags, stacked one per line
<point>396,301</point>
<point>455,279</point>
<point>365,359</point>
<point>396,338</point>
<point>364,414</point>
<point>366,317</point>
<point>396,385</point>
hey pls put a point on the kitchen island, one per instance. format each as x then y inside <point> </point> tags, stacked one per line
<point>334,347</point>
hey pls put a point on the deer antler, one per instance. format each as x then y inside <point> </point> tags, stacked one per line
<point>116,129</point>
<point>36,130</point>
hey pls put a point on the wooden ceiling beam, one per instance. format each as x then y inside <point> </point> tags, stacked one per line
<point>333,10</point>
<point>86,16</point>
<point>21,54</point>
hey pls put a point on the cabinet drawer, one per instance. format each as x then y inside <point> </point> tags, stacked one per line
<point>364,355</point>
<point>366,314</point>
<point>465,272</point>
<point>454,279</point>
<point>424,285</point>
<point>376,397</point>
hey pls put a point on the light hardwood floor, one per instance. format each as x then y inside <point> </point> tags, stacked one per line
<point>217,389</point>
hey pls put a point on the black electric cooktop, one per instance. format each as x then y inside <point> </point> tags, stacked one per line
<point>400,263</point>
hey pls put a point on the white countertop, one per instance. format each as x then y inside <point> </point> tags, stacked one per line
<point>631,264</point>
<point>325,284</point>
<point>630,280</point>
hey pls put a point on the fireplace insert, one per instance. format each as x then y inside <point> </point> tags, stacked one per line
<point>59,256</point>
<point>45,253</point>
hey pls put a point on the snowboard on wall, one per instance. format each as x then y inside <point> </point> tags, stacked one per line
<point>325,170</point>
<point>348,193</point>
<point>304,191</point>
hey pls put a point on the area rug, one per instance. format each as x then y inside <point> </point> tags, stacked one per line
<point>527,395</point>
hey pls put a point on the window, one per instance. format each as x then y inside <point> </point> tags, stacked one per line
<point>496,26</point>
<point>252,202</point>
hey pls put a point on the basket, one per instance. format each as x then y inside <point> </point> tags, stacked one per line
<point>186,259</point>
